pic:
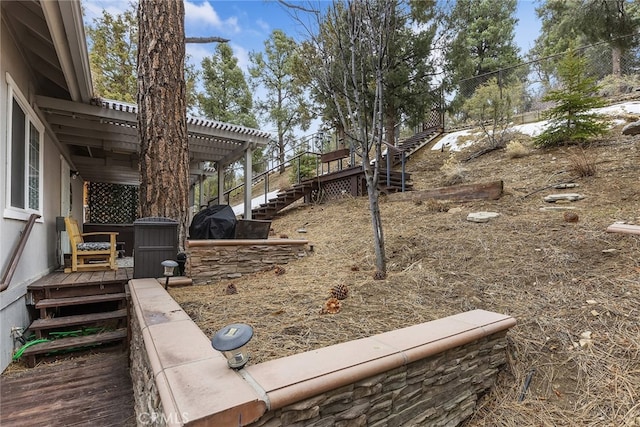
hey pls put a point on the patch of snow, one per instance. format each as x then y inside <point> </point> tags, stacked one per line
<point>255,202</point>
<point>450,140</point>
<point>632,107</point>
<point>532,129</point>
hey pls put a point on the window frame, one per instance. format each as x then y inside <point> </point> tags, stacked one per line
<point>31,122</point>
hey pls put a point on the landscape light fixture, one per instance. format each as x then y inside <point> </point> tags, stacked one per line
<point>231,341</point>
<point>169,267</point>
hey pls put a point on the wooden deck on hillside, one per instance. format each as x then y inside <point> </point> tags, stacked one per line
<point>88,390</point>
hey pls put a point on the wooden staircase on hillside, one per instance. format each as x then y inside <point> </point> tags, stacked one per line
<point>391,182</point>
<point>284,198</point>
<point>395,181</point>
<point>77,311</point>
<point>412,144</point>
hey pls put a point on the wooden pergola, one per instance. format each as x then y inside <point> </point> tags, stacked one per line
<point>98,137</point>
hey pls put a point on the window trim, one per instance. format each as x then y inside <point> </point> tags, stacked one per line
<point>31,118</point>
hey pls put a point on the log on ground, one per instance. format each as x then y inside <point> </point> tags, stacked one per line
<point>464,192</point>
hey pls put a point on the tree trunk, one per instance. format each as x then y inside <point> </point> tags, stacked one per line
<point>376,219</point>
<point>162,114</point>
<point>616,59</point>
<point>390,130</point>
<point>281,149</point>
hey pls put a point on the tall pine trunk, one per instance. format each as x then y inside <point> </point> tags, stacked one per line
<point>616,60</point>
<point>162,114</point>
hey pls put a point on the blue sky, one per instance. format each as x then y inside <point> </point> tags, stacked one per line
<point>248,23</point>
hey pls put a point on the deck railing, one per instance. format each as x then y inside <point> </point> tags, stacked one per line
<point>15,256</point>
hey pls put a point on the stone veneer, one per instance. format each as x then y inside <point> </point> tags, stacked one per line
<point>427,374</point>
<point>213,260</point>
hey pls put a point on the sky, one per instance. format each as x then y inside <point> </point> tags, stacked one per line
<point>248,23</point>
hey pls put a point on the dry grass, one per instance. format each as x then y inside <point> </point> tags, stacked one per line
<point>552,276</point>
<point>582,163</point>
<point>516,149</point>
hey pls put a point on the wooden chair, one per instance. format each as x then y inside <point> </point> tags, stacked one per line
<point>90,256</point>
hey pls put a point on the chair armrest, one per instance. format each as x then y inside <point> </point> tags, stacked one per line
<point>114,233</point>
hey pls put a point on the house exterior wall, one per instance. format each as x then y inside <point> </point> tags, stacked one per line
<point>39,256</point>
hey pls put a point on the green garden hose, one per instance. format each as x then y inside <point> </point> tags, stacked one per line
<point>55,335</point>
<point>18,354</point>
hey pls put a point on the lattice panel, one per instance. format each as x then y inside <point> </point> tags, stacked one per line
<point>433,119</point>
<point>336,189</point>
<point>112,203</point>
<point>362,186</point>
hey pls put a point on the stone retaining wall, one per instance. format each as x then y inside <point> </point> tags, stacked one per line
<point>147,399</point>
<point>427,374</point>
<point>212,260</point>
<point>441,390</point>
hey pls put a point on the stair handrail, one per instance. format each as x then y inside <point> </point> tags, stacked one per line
<point>17,253</point>
<point>398,148</point>
<point>266,173</point>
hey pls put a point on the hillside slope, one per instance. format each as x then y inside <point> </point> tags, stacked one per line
<point>562,281</point>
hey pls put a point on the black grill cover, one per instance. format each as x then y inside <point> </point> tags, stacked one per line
<point>214,222</point>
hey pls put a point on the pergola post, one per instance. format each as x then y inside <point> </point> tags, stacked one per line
<point>201,192</point>
<point>248,173</point>
<point>220,170</point>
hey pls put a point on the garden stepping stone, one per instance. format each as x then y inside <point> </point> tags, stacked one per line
<point>571,197</point>
<point>482,216</point>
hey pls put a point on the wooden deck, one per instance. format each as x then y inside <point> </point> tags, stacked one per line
<point>88,390</point>
<point>86,277</point>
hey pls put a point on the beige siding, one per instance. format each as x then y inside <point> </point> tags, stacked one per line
<point>39,257</point>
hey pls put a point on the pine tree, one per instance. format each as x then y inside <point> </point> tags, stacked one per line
<point>162,113</point>
<point>113,49</point>
<point>112,55</point>
<point>483,43</point>
<point>571,119</point>
<point>226,96</point>
<point>568,23</point>
<point>284,105</point>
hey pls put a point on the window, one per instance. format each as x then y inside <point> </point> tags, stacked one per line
<point>25,141</point>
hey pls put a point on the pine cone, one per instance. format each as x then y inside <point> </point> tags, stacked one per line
<point>231,289</point>
<point>379,275</point>
<point>331,306</point>
<point>279,270</point>
<point>570,216</point>
<point>339,291</point>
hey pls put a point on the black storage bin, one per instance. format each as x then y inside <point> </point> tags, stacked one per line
<point>155,240</point>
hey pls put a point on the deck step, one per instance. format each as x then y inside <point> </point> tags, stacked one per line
<point>67,291</point>
<point>76,320</point>
<point>72,342</point>
<point>89,299</point>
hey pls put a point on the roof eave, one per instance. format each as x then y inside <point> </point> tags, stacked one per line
<point>64,19</point>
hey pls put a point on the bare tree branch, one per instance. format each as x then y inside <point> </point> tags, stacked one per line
<point>213,39</point>
<point>298,7</point>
